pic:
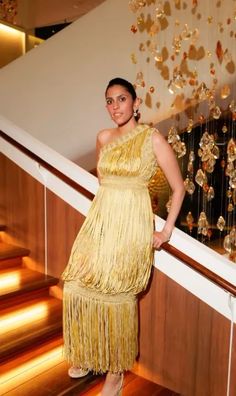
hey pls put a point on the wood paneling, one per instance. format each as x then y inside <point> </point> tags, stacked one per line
<point>2,189</point>
<point>23,212</point>
<point>23,205</point>
<point>183,342</point>
<point>63,224</point>
<point>233,368</point>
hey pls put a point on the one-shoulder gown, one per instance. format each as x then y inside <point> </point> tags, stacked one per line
<point>111,259</point>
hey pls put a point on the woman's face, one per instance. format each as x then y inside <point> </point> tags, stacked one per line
<point>120,104</point>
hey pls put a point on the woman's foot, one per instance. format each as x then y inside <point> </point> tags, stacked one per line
<point>77,372</point>
<point>113,385</point>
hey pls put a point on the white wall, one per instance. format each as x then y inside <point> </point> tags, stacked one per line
<point>56,91</point>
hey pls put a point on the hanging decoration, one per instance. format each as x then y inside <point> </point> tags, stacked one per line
<point>8,10</point>
<point>175,141</point>
<point>190,220</point>
<point>203,224</point>
<point>191,65</point>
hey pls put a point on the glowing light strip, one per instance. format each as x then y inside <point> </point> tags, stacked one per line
<point>10,280</point>
<point>23,316</point>
<point>10,30</point>
<point>28,370</point>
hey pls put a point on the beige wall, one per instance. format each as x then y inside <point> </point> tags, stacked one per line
<point>56,91</point>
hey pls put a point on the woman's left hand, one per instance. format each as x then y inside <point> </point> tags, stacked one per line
<point>160,237</point>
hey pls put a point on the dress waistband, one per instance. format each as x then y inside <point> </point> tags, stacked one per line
<point>76,288</point>
<point>124,182</point>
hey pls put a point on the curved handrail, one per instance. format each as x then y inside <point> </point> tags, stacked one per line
<point>193,264</point>
<point>207,273</point>
<point>47,166</point>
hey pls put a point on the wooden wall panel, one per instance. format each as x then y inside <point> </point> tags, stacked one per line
<point>24,212</point>
<point>183,341</point>
<point>233,368</point>
<point>63,225</point>
<point>2,190</point>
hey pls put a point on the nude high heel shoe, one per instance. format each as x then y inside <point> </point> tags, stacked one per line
<point>119,387</point>
<point>77,372</point>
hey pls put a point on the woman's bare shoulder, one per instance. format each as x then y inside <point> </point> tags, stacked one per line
<point>157,136</point>
<point>104,135</point>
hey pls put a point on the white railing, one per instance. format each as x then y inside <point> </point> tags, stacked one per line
<point>200,286</point>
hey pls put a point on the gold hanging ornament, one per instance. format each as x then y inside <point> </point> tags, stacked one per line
<point>189,186</point>
<point>176,44</point>
<point>220,223</point>
<point>190,220</point>
<point>225,91</point>
<point>159,10</point>
<point>232,108</point>
<point>175,141</point>
<point>139,82</point>
<point>210,194</point>
<point>186,33</point>
<point>136,5</point>
<point>133,28</point>
<point>224,129</point>
<point>208,152</point>
<point>203,224</point>
<point>190,125</point>
<point>216,112</point>
<point>8,10</point>
<point>231,151</point>
<point>200,178</point>
<point>227,244</point>
<point>155,51</point>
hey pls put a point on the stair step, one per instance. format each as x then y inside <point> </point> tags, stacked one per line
<point>11,262</point>
<point>20,282</point>
<point>33,323</point>
<point>8,251</point>
<point>41,371</point>
<point>28,355</point>
<point>133,385</point>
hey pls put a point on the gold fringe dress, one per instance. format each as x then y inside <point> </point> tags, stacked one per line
<point>111,259</point>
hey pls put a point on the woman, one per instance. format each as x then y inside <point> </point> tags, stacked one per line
<point>112,255</point>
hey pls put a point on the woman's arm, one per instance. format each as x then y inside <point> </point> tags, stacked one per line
<point>168,163</point>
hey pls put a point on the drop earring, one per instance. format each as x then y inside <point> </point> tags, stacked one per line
<point>136,114</point>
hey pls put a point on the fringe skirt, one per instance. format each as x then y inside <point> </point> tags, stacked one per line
<point>100,330</point>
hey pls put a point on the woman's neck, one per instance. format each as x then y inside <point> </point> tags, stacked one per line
<point>131,124</point>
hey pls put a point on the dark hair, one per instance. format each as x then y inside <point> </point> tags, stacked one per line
<point>124,83</point>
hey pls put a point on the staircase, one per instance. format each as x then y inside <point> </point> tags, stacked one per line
<point>31,359</point>
<point>31,331</point>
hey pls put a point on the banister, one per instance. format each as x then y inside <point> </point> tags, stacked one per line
<point>47,166</point>
<point>193,264</point>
